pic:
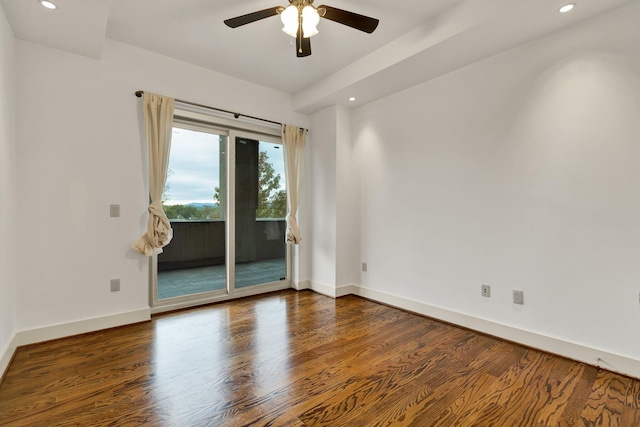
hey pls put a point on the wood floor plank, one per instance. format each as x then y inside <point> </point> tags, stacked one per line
<point>299,359</point>
<point>448,388</point>
<point>612,396</point>
<point>352,379</point>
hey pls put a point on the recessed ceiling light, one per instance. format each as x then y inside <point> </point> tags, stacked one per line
<point>567,7</point>
<point>353,98</point>
<point>48,4</point>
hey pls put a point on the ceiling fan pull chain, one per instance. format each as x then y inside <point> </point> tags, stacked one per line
<point>299,37</point>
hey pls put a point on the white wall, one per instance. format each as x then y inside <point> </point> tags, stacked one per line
<point>80,149</point>
<point>321,149</point>
<point>347,204</point>
<point>7,189</point>
<point>334,203</point>
<point>301,252</point>
<point>520,171</point>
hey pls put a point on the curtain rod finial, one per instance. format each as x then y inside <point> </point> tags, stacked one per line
<point>139,94</point>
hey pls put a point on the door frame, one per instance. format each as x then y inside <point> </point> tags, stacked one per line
<point>195,120</point>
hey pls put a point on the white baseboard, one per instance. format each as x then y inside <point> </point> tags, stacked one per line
<point>346,290</point>
<point>323,289</point>
<point>578,352</point>
<point>588,355</point>
<point>301,285</point>
<point>47,333</point>
<point>7,354</point>
<point>328,290</point>
<point>53,332</point>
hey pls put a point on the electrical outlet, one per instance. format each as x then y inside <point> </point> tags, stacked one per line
<point>364,266</point>
<point>114,211</point>
<point>518,297</point>
<point>115,285</point>
<point>486,290</point>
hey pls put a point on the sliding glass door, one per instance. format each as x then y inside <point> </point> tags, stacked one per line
<point>260,210</point>
<point>226,199</point>
<point>194,260</point>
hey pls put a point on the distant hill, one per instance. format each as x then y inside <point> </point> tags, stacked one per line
<point>202,205</point>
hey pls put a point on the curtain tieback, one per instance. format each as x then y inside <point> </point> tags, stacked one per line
<point>293,232</point>
<point>155,209</point>
<point>162,226</point>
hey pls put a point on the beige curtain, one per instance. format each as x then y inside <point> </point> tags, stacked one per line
<point>293,139</point>
<point>158,122</point>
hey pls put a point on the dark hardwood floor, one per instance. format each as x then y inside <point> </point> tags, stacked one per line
<point>302,359</point>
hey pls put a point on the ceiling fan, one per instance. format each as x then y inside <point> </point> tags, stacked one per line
<point>300,19</point>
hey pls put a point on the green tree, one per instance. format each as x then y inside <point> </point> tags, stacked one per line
<point>272,201</point>
<point>279,204</point>
<point>191,212</point>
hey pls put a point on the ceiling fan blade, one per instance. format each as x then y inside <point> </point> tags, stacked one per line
<point>252,17</point>
<point>303,45</point>
<point>350,19</point>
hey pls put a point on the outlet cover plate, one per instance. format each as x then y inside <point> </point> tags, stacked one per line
<point>486,290</point>
<point>115,285</point>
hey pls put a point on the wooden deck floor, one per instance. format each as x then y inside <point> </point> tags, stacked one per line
<point>301,359</point>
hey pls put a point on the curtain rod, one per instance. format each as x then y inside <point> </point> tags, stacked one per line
<point>236,115</point>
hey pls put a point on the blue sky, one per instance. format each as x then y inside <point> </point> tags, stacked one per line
<point>194,166</point>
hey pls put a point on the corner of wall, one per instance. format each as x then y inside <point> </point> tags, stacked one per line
<point>53,332</point>
<point>301,285</point>
<point>6,356</point>
<point>8,192</point>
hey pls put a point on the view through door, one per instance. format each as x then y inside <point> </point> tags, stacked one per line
<point>260,211</point>
<point>202,209</point>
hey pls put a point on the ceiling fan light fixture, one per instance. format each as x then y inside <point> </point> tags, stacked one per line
<point>289,18</point>
<point>300,19</point>
<point>310,19</point>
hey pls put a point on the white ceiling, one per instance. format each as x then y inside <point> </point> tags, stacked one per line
<point>415,41</point>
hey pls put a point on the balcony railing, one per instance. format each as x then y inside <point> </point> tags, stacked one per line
<point>202,243</point>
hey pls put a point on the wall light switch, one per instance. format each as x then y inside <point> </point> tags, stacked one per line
<point>518,297</point>
<point>115,285</point>
<point>114,211</point>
